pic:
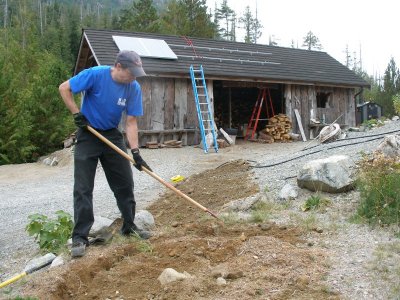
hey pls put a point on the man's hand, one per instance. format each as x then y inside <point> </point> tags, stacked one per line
<point>80,120</point>
<point>139,162</point>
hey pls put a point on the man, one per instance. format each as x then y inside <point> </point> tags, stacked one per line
<point>108,92</point>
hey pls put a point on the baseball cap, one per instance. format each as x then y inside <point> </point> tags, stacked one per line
<point>131,61</point>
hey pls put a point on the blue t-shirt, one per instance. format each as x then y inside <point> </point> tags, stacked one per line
<point>104,99</point>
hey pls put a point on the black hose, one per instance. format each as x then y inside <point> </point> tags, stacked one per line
<point>337,146</point>
<point>354,138</point>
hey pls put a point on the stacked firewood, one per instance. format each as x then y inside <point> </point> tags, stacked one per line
<point>277,130</point>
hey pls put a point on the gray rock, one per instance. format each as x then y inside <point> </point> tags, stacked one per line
<point>58,261</point>
<point>288,192</point>
<point>332,174</point>
<point>243,204</point>
<point>144,220</point>
<point>40,261</point>
<point>390,146</point>
<point>100,223</point>
<point>171,275</point>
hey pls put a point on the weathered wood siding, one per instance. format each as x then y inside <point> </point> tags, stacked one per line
<point>169,107</point>
<point>304,99</point>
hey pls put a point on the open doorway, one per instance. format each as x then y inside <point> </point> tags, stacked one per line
<point>234,103</point>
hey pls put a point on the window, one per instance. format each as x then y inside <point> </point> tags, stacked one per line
<point>323,100</point>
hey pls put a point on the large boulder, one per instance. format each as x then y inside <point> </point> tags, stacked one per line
<point>332,174</point>
<point>390,146</point>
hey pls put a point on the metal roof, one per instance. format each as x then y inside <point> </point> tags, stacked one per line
<point>227,60</point>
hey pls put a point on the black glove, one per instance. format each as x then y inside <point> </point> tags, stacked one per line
<point>80,120</point>
<point>139,162</point>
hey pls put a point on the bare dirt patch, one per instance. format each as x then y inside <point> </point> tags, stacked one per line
<point>265,262</point>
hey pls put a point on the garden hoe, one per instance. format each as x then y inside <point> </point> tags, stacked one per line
<point>41,263</point>
<point>152,174</point>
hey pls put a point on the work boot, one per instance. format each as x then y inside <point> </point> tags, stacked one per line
<point>78,249</point>
<point>135,231</point>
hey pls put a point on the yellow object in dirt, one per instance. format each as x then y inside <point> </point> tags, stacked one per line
<point>177,178</point>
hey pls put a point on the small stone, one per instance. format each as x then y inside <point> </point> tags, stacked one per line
<point>318,229</point>
<point>221,281</point>
<point>265,227</point>
<point>175,224</point>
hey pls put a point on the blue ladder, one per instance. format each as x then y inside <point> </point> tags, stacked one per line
<point>206,120</point>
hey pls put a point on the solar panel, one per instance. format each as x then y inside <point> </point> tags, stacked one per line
<point>145,47</point>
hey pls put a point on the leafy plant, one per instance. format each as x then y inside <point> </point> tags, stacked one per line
<point>51,234</point>
<point>372,123</point>
<point>379,185</point>
<point>314,202</point>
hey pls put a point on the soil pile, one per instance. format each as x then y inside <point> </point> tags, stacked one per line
<point>262,261</point>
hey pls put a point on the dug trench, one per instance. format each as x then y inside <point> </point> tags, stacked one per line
<point>264,261</point>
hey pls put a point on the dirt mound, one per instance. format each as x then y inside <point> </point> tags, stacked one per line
<point>256,261</point>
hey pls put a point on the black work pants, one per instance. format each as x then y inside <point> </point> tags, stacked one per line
<point>89,149</point>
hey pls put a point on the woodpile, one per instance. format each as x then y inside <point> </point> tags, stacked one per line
<point>277,130</point>
<point>165,144</point>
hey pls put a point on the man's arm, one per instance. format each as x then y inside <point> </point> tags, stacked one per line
<point>133,140</point>
<point>132,132</point>
<point>68,98</point>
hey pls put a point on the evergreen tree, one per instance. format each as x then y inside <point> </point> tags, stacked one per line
<point>188,18</point>
<point>272,41</point>
<point>391,86</point>
<point>141,16</point>
<point>311,42</point>
<point>226,15</point>
<point>247,21</point>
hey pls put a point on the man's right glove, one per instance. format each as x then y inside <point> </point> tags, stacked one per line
<point>139,162</point>
<point>80,120</point>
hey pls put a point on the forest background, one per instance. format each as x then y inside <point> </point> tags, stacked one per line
<point>40,41</point>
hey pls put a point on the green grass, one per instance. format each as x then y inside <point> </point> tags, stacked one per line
<point>379,186</point>
<point>262,211</point>
<point>315,202</point>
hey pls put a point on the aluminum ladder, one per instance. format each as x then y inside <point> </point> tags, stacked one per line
<point>206,120</point>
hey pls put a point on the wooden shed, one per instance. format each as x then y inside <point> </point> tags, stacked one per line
<point>311,82</point>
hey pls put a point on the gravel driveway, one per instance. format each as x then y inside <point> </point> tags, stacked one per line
<point>37,188</point>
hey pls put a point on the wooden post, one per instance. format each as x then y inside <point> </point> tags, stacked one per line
<point>300,125</point>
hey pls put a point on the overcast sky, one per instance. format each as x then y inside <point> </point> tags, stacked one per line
<point>371,25</point>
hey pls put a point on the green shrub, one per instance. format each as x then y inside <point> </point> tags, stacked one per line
<point>51,234</point>
<point>379,186</point>
<point>396,103</point>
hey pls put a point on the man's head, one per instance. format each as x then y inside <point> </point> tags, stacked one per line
<point>131,61</point>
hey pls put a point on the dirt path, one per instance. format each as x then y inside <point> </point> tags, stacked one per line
<point>256,260</point>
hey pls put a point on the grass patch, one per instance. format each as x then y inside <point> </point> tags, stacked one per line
<point>230,218</point>
<point>387,264</point>
<point>262,211</point>
<point>307,222</point>
<point>315,202</point>
<point>379,186</point>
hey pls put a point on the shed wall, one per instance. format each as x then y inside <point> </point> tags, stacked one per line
<point>169,111</point>
<point>340,106</point>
